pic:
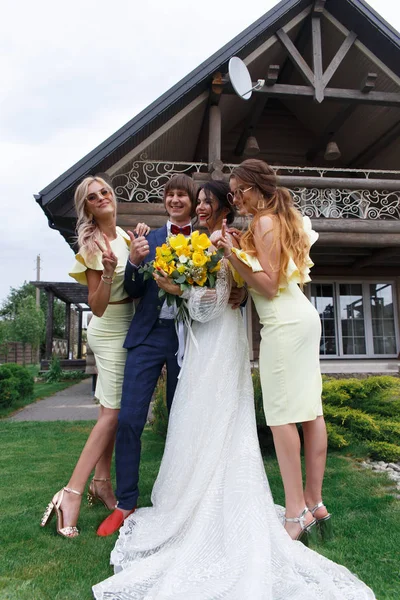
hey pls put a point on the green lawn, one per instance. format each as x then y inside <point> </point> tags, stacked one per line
<point>36,564</point>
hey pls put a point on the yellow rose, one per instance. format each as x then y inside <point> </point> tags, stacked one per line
<point>200,241</point>
<point>216,268</point>
<point>178,243</point>
<point>181,269</point>
<point>199,259</point>
<point>202,278</point>
<point>168,268</point>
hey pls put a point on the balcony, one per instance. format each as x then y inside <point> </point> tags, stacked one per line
<point>319,193</point>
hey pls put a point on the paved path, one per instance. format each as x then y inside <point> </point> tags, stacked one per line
<point>76,403</point>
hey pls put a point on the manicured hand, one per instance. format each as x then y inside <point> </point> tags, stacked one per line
<point>224,240</point>
<point>166,283</point>
<point>108,258</point>
<point>142,229</point>
<point>139,248</point>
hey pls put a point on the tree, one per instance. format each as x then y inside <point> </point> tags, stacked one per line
<point>29,323</point>
<point>28,290</point>
<point>6,336</point>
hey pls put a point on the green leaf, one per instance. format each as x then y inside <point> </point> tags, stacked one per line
<point>180,279</point>
<point>161,293</point>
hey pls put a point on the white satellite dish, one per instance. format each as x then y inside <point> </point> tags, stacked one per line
<point>240,78</point>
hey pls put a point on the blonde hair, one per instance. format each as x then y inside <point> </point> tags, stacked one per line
<point>277,203</point>
<point>87,230</point>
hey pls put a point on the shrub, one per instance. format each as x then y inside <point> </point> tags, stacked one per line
<point>9,394</point>
<point>22,376</point>
<point>337,436</point>
<point>54,373</point>
<point>160,412</point>
<point>71,375</point>
<point>384,451</point>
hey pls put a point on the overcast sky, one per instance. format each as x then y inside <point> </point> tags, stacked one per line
<point>73,73</point>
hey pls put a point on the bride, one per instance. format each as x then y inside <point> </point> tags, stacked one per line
<point>213,531</point>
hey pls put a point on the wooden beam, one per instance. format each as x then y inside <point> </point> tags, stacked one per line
<point>68,326</point>
<point>296,57</point>
<point>377,146</point>
<point>368,83</point>
<point>331,129</point>
<point>251,122</point>
<point>377,257</point>
<point>333,271</point>
<point>49,324</point>
<point>272,75</point>
<point>217,87</point>
<point>281,90</point>
<point>370,240</point>
<point>317,58</point>
<point>318,7</point>
<point>338,58</point>
<point>356,226</point>
<point>214,134</point>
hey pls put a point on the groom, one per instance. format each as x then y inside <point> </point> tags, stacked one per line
<point>151,342</point>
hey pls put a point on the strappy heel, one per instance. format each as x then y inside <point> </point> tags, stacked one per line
<point>54,508</point>
<point>324,525</point>
<point>93,495</point>
<point>308,531</point>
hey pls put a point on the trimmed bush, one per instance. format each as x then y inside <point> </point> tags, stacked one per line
<point>22,376</point>
<point>384,451</point>
<point>160,412</point>
<point>9,394</point>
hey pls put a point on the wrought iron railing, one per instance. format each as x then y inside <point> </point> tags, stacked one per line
<point>352,195</point>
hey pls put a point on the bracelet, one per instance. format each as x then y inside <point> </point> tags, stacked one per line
<point>107,276</point>
<point>104,279</point>
<point>229,255</point>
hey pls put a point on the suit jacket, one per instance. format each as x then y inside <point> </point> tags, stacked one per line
<point>148,309</point>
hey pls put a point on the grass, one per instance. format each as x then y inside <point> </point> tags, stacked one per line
<point>36,564</point>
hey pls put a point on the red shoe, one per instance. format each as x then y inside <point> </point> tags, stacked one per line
<point>113,522</point>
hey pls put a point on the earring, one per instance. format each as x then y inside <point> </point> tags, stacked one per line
<point>261,203</point>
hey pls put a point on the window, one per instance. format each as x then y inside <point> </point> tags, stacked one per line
<point>357,318</point>
<point>322,296</point>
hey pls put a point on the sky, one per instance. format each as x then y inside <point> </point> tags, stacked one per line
<point>71,75</point>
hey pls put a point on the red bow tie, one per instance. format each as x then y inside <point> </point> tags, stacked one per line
<point>175,229</point>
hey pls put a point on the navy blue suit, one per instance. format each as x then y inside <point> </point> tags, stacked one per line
<point>151,342</point>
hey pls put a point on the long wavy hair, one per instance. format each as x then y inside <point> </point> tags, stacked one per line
<point>87,230</point>
<point>275,202</point>
<point>219,190</point>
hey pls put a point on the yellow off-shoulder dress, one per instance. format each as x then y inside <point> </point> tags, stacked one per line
<point>289,350</point>
<point>106,334</point>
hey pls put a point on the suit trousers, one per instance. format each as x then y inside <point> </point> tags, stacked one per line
<point>142,370</point>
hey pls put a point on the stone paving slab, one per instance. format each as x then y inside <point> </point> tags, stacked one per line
<point>75,403</point>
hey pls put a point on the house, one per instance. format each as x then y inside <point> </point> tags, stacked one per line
<point>327,117</point>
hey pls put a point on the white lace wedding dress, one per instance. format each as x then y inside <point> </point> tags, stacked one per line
<point>213,532</point>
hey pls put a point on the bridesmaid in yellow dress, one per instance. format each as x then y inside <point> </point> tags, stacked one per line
<point>274,261</point>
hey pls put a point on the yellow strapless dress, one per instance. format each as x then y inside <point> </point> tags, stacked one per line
<point>289,350</point>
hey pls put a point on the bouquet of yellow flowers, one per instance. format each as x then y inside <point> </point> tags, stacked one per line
<point>188,261</point>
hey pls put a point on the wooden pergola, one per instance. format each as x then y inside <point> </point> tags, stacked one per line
<point>71,294</point>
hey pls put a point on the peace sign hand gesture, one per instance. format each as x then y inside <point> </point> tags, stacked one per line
<point>108,258</point>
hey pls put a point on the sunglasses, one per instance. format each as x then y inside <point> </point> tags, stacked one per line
<point>238,193</point>
<point>95,196</point>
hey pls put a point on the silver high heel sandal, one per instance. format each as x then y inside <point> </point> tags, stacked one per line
<point>307,531</point>
<point>93,494</point>
<point>324,525</point>
<point>54,508</point>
